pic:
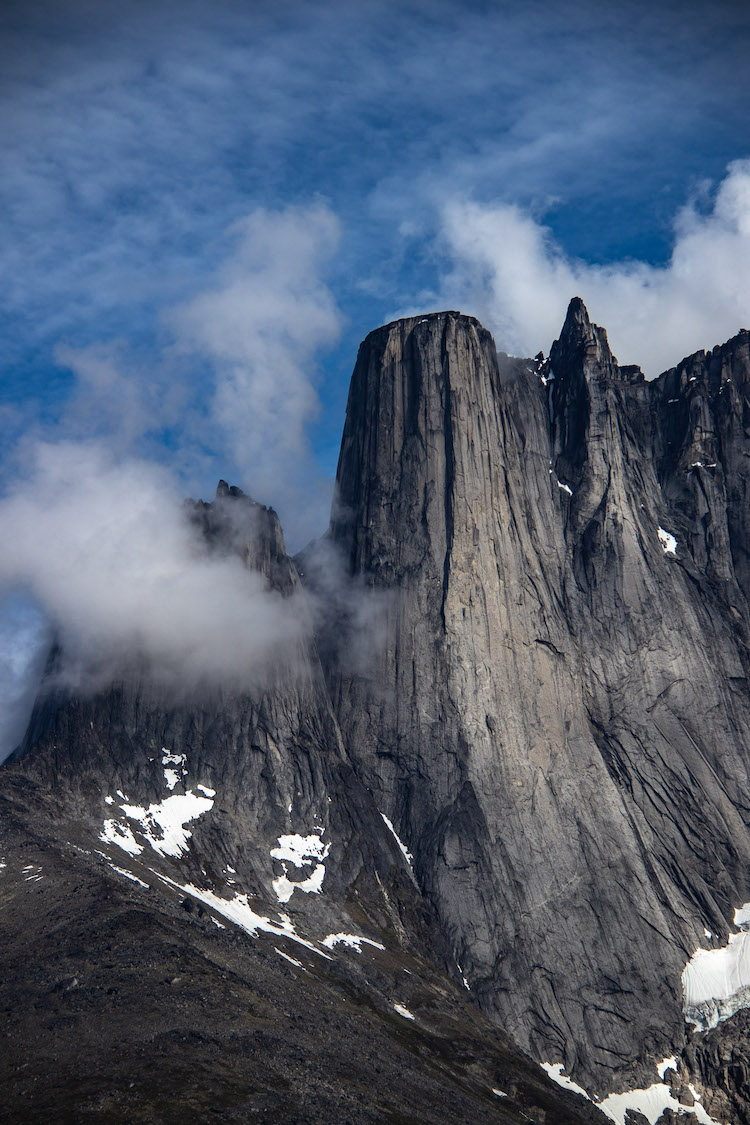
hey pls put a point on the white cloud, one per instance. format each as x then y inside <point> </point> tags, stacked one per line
<point>507,269</point>
<point>95,528</point>
<point>106,549</point>
<point>24,643</point>
<point>259,324</point>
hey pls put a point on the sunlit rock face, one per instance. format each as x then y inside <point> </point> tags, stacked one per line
<point>558,718</point>
<point>214,915</point>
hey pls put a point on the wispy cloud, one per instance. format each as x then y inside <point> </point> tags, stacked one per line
<point>106,549</point>
<point>24,643</point>
<point>259,324</point>
<point>132,138</point>
<point>95,529</point>
<point>508,269</point>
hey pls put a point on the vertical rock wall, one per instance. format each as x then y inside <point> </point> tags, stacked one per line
<point>557,720</point>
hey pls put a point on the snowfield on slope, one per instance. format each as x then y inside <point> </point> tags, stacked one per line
<point>716,982</point>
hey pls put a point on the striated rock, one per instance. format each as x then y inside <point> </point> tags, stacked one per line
<point>718,1065</point>
<point>556,723</point>
<point>214,918</point>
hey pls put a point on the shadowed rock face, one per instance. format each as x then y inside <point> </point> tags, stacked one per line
<point>557,721</point>
<point>273,756</point>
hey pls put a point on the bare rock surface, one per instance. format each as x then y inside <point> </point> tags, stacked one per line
<point>557,721</point>
<point>482,810</point>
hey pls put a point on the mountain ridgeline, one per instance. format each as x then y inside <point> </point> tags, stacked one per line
<point>516,830</point>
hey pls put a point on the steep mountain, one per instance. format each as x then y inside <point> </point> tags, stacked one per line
<point>493,799</point>
<point>557,721</point>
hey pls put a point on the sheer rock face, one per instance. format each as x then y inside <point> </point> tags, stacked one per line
<point>557,720</point>
<point>703,414</point>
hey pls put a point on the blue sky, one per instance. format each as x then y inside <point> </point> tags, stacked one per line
<point>135,135</point>
<point>206,206</point>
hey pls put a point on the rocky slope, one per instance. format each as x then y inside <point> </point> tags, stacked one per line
<point>529,673</point>
<point>205,914</point>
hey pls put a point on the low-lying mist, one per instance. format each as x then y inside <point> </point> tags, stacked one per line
<point>109,552</point>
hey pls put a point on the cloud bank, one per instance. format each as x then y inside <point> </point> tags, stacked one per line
<point>95,529</point>
<point>506,267</point>
<point>106,549</point>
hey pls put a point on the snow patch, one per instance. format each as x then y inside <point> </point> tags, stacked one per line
<point>668,542</point>
<point>555,1071</point>
<point>651,1103</point>
<point>128,875</point>
<point>716,982</point>
<point>301,851</point>
<point>565,487</point>
<point>172,776</point>
<point>402,1011</point>
<point>350,940</point>
<point>162,825</point>
<point>407,854</point>
<point>120,834</point>
<point>206,791</point>
<point>284,888</point>
<point>665,1065</point>
<point>291,960</point>
<point>239,911</point>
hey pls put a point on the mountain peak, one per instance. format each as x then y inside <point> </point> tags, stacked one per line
<point>223,489</point>
<point>577,314</point>
<point>582,340</point>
